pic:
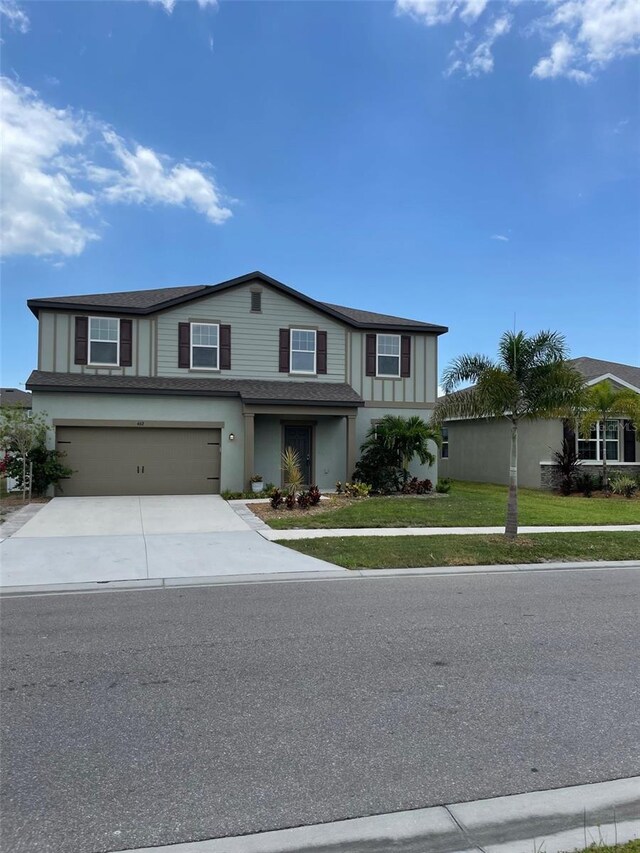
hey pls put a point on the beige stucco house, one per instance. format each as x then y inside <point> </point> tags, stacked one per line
<point>195,389</point>
<point>478,449</point>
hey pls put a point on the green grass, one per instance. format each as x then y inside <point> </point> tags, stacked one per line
<point>400,552</point>
<point>471,505</point>
<point>629,847</point>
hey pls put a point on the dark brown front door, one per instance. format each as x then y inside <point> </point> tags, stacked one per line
<point>299,438</point>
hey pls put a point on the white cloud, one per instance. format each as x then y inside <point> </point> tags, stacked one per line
<point>143,178</point>
<point>585,35</point>
<point>475,58</point>
<point>559,63</point>
<point>16,17</point>
<point>432,12</point>
<point>502,237</point>
<point>592,33</point>
<point>169,5</point>
<point>60,169</point>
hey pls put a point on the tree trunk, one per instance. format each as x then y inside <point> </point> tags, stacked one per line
<point>24,478</point>
<point>511,528</point>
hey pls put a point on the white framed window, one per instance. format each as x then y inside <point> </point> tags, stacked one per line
<point>388,356</point>
<point>104,341</point>
<point>444,447</point>
<point>205,348</point>
<point>592,448</point>
<point>303,351</point>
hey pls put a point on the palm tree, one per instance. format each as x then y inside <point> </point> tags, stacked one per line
<point>601,403</point>
<point>530,379</point>
<point>406,438</point>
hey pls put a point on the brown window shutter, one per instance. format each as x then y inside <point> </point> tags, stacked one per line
<point>225,347</point>
<point>371,355</point>
<point>629,442</point>
<point>405,356</point>
<point>568,432</point>
<point>284,350</point>
<point>184,345</point>
<point>321,352</point>
<point>126,343</point>
<point>82,340</point>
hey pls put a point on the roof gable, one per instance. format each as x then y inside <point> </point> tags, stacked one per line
<point>142,302</point>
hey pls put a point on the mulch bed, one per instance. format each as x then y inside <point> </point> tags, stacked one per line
<point>327,504</point>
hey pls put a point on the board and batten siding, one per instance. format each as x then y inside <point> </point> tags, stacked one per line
<point>57,346</point>
<point>420,387</point>
<point>254,335</point>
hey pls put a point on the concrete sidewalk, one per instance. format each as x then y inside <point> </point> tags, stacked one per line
<point>314,533</point>
<point>552,821</point>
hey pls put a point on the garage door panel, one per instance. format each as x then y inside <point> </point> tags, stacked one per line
<point>140,461</point>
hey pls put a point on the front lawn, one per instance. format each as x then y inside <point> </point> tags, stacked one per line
<point>402,552</point>
<point>470,505</point>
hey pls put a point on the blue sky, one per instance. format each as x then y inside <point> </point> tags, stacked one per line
<point>455,161</point>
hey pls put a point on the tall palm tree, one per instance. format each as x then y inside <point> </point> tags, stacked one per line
<point>530,379</point>
<point>601,403</point>
<point>406,438</point>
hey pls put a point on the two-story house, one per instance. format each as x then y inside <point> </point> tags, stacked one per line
<point>192,390</point>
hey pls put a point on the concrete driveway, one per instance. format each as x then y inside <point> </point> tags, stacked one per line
<point>107,539</point>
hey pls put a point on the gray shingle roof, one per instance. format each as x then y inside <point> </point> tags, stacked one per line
<point>249,390</point>
<point>144,299</point>
<point>591,368</point>
<point>148,301</point>
<point>13,396</point>
<point>371,318</point>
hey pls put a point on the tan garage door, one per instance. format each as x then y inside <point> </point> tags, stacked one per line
<point>140,461</point>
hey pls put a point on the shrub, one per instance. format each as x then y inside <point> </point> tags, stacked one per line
<point>48,469</point>
<point>568,464</point>
<point>290,500</point>
<point>303,500</point>
<point>585,483</point>
<point>256,478</point>
<point>314,495</point>
<point>622,485</point>
<point>339,488</point>
<point>357,490</point>
<point>414,486</point>
<point>291,468</point>
<point>276,499</point>
<point>378,466</point>
<point>443,486</point>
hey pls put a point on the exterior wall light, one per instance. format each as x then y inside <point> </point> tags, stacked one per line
<point>231,436</point>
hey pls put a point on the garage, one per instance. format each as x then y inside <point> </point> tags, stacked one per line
<point>110,460</point>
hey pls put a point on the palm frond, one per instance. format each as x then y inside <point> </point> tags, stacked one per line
<point>465,368</point>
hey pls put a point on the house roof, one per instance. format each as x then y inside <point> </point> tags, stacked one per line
<point>254,391</point>
<point>151,301</point>
<point>13,396</point>
<point>594,368</point>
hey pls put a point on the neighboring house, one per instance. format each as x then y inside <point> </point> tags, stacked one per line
<point>15,397</point>
<point>191,390</point>
<point>478,449</point>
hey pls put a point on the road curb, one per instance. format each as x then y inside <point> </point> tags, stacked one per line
<point>143,584</point>
<point>555,820</point>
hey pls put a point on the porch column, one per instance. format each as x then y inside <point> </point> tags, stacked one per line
<point>351,445</point>
<point>248,447</point>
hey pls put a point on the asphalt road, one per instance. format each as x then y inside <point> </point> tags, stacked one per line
<point>141,718</point>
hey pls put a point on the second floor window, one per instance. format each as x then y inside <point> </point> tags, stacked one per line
<point>388,355</point>
<point>303,351</point>
<point>104,340</point>
<point>204,346</point>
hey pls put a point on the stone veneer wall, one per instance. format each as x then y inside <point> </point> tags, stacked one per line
<point>550,476</point>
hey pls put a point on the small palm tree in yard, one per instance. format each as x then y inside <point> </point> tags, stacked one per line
<point>530,379</point>
<point>404,438</point>
<point>601,403</point>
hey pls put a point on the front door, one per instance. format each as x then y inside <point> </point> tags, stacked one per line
<point>299,438</point>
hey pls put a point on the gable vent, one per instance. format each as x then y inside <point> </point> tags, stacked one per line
<point>256,300</point>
